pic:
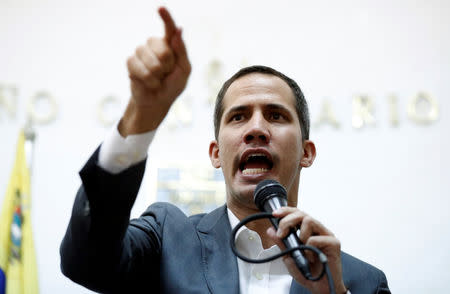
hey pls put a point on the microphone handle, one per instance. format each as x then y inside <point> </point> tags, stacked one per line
<point>291,240</point>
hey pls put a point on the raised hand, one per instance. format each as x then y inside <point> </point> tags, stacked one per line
<point>158,72</point>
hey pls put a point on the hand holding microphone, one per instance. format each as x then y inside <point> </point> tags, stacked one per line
<point>321,249</point>
<point>270,196</point>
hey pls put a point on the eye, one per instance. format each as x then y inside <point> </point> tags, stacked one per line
<point>237,117</point>
<point>276,116</point>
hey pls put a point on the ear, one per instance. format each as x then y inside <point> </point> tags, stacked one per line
<point>309,153</point>
<point>214,153</point>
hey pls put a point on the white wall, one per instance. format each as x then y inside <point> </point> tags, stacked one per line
<point>381,190</point>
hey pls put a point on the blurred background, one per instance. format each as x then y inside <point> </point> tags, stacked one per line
<point>376,75</point>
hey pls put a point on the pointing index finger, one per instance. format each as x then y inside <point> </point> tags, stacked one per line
<point>169,24</point>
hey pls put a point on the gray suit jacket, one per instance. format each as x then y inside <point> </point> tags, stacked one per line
<point>163,251</point>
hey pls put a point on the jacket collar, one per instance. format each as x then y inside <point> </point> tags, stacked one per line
<point>220,264</point>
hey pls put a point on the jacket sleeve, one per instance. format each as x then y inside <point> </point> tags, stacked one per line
<point>361,277</point>
<point>102,250</point>
<point>383,285</point>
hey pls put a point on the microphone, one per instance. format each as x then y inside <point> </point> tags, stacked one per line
<point>270,195</point>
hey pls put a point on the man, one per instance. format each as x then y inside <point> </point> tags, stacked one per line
<point>261,132</point>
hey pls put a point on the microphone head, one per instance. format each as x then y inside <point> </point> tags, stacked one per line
<point>267,189</point>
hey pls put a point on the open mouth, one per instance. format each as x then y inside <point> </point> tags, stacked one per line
<point>255,162</point>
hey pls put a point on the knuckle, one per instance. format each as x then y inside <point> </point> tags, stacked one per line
<point>140,50</point>
<point>156,69</point>
<point>152,40</point>
<point>302,239</point>
<point>281,224</point>
<point>147,75</point>
<point>307,220</point>
<point>166,57</point>
<point>337,243</point>
<point>287,220</point>
<point>298,214</point>
<point>130,61</point>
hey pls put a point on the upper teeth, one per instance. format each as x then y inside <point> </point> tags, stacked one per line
<point>256,154</point>
<point>254,171</point>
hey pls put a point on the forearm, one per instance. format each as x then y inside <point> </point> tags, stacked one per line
<point>92,249</point>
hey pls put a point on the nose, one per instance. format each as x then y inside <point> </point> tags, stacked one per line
<point>257,131</point>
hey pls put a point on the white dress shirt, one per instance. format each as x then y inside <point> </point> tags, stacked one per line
<point>118,153</point>
<point>262,278</point>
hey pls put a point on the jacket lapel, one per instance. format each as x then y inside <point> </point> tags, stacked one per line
<point>219,263</point>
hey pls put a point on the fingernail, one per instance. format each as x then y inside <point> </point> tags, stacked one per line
<point>279,233</point>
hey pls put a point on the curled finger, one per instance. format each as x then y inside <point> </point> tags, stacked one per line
<point>162,51</point>
<point>147,56</point>
<point>290,221</point>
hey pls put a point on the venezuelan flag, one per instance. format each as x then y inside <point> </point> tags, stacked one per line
<point>18,269</point>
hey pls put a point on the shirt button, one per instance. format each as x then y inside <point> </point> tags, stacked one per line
<point>259,276</point>
<point>251,237</point>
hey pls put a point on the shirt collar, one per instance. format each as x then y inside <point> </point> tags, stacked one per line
<point>249,235</point>
<point>249,243</point>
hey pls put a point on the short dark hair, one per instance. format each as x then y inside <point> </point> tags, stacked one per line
<point>300,103</point>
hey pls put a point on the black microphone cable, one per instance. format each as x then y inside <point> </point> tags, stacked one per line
<point>322,257</point>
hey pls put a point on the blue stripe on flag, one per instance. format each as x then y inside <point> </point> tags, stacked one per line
<point>2,282</point>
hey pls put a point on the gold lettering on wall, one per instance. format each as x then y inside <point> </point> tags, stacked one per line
<point>327,116</point>
<point>103,110</point>
<point>362,112</point>
<point>42,107</point>
<point>44,100</point>
<point>423,109</point>
<point>393,110</point>
<point>180,114</point>
<point>8,99</point>
<point>214,79</point>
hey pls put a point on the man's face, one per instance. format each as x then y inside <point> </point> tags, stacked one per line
<point>259,138</point>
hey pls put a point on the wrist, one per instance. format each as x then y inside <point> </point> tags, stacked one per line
<point>138,119</point>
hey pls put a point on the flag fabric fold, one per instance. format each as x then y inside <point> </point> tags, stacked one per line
<point>18,268</point>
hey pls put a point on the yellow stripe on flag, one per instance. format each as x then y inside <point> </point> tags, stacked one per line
<point>17,254</point>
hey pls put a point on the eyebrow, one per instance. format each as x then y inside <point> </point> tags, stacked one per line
<point>245,108</point>
<point>275,106</point>
<point>238,108</point>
